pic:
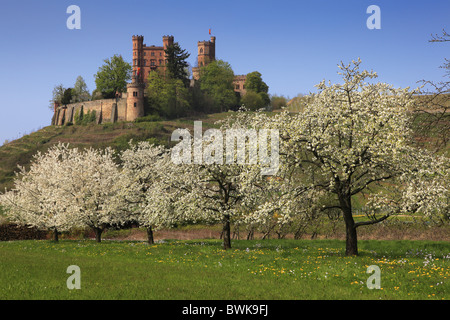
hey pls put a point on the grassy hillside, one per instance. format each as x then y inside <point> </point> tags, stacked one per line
<point>116,135</point>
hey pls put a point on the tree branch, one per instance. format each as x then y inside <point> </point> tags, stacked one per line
<point>357,190</point>
<point>365,223</point>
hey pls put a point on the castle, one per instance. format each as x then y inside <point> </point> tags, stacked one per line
<point>130,105</point>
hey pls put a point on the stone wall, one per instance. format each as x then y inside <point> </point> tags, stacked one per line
<point>107,110</point>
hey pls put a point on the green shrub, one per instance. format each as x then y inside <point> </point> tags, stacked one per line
<point>277,102</point>
<point>93,116</point>
<point>78,118</point>
<point>11,231</point>
<point>149,118</point>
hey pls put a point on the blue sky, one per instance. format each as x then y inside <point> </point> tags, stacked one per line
<point>294,44</point>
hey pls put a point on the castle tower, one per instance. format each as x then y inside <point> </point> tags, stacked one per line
<point>167,41</point>
<point>212,48</point>
<point>135,99</point>
<point>206,55</point>
<point>138,57</point>
<point>206,52</point>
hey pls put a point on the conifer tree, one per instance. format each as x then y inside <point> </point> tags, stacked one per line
<point>177,65</point>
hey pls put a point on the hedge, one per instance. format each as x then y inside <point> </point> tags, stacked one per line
<point>11,231</point>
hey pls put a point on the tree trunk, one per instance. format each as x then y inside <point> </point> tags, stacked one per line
<point>300,231</point>
<point>150,239</point>
<point>351,239</point>
<point>98,234</point>
<point>55,235</point>
<point>226,232</point>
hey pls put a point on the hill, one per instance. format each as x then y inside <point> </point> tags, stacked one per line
<point>115,135</point>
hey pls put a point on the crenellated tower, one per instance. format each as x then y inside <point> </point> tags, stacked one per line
<point>167,41</point>
<point>138,57</point>
<point>135,99</point>
<point>206,54</point>
<point>135,89</point>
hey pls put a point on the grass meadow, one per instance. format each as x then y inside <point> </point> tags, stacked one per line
<point>284,269</point>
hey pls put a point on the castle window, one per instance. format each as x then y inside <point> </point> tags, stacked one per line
<point>152,63</point>
<point>160,62</point>
<point>135,104</point>
<point>201,50</point>
<point>145,53</point>
<point>160,54</point>
<point>237,87</point>
<point>153,53</point>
